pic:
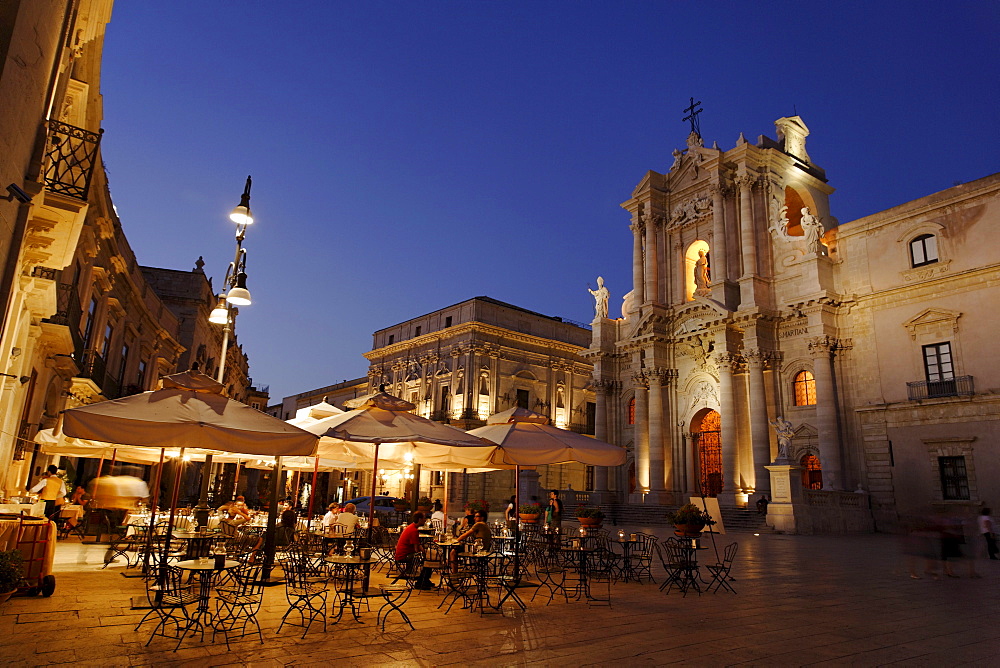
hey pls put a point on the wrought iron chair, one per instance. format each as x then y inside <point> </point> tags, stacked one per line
<point>681,570</point>
<point>396,596</point>
<point>720,571</point>
<point>506,578</point>
<point>238,603</point>
<point>551,574</point>
<point>170,595</point>
<point>304,594</point>
<point>642,556</point>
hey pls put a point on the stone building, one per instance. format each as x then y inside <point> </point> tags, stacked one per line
<point>751,309</point>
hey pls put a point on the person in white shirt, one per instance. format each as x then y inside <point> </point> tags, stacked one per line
<point>438,514</point>
<point>331,516</point>
<point>348,518</point>
<point>50,488</point>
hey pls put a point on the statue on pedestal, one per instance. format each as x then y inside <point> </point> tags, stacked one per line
<point>600,299</point>
<point>784,430</point>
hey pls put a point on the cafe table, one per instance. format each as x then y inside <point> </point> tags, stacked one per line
<point>581,553</point>
<point>206,569</point>
<point>481,597</point>
<point>349,597</point>
<point>627,570</point>
<point>196,543</point>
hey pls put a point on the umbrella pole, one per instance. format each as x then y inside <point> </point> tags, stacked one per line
<point>517,526</point>
<point>371,516</point>
<point>236,480</point>
<point>446,499</point>
<point>152,512</point>
<point>312,492</point>
<point>201,511</point>
<point>272,522</point>
<point>162,578</point>
<point>114,457</point>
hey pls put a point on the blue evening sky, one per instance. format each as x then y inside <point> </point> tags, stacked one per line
<point>407,156</point>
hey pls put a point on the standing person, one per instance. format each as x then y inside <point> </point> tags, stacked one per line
<point>510,514</point>
<point>408,546</point>
<point>985,524</point>
<point>553,512</point>
<point>51,489</point>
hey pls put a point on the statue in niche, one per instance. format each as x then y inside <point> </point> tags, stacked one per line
<point>702,276</point>
<point>812,228</point>
<point>784,430</point>
<point>600,299</point>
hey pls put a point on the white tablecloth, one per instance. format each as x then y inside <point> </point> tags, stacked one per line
<point>36,509</point>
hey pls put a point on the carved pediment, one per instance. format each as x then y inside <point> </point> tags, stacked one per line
<point>933,318</point>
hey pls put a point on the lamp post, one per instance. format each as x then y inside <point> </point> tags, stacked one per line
<point>234,294</point>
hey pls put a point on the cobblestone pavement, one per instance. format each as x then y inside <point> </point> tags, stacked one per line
<point>801,600</point>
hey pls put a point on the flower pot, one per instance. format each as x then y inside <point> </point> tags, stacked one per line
<point>400,508</point>
<point>528,519</point>
<point>424,508</point>
<point>590,521</point>
<point>688,530</point>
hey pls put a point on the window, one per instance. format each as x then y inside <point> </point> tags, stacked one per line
<point>812,472</point>
<point>591,419</point>
<point>923,250</point>
<point>392,339</point>
<point>416,332</point>
<point>447,321</point>
<point>445,398</point>
<point>140,376</point>
<point>124,361</point>
<point>939,370</point>
<point>109,331</point>
<point>522,398</point>
<point>954,478</point>
<point>89,324</point>
<point>804,386</point>
<point>630,417</point>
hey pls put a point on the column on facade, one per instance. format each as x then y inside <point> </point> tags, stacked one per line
<point>651,292</point>
<point>745,184</point>
<point>730,456</point>
<point>641,431</point>
<point>718,249</point>
<point>637,271</point>
<point>601,388</point>
<point>759,436</point>
<point>822,350</point>
<point>656,466</point>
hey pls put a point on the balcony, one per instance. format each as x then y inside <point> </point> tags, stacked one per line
<point>93,367</point>
<point>70,158</point>
<point>960,386</point>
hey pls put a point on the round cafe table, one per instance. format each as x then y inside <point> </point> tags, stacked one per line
<point>349,597</point>
<point>628,573</point>
<point>206,570</point>
<point>583,589</point>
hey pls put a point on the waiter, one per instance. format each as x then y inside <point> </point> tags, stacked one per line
<point>51,488</point>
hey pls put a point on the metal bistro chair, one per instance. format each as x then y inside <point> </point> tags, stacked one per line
<point>396,596</point>
<point>305,595</point>
<point>505,577</point>
<point>681,570</point>
<point>642,556</point>
<point>168,599</point>
<point>237,604</point>
<point>720,571</point>
<point>551,573</point>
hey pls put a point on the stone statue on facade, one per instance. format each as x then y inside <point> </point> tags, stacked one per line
<point>702,276</point>
<point>600,299</point>
<point>629,306</point>
<point>812,229</point>
<point>785,432</point>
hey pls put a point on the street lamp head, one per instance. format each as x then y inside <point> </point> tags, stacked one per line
<point>239,295</point>
<point>220,314</point>
<point>241,214</point>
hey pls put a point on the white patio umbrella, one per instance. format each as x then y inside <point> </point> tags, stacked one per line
<point>384,427</point>
<point>191,412</point>
<point>526,438</point>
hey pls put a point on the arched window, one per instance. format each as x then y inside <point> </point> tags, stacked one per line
<point>805,389</point>
<point>923,250</point>
<point>631,411</point>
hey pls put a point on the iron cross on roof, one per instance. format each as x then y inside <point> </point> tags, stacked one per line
<point>692,116</point>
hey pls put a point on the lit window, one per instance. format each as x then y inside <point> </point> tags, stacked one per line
<point>631,410</point>
<point>812,472</point>
<point>805,389</point>
<point>923,250</point>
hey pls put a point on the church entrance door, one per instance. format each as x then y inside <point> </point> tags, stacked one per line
<point>707,432</point>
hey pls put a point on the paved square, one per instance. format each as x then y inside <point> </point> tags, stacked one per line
<point>802,600</point>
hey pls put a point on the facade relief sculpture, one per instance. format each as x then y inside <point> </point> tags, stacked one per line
<point>692,210</point>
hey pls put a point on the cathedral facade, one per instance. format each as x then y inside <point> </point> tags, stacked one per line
<point>759,332</point>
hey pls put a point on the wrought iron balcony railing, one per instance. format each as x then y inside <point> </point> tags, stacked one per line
<point>931,389</point>
<point>95,368</point>
<point>70,158</point>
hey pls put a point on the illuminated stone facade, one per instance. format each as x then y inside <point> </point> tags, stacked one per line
<point>750,302</point>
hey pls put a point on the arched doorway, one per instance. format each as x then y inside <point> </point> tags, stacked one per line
<point>706,429</point>
<point>812,472</point>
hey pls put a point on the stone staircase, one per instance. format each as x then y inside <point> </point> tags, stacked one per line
<point>736,520</point>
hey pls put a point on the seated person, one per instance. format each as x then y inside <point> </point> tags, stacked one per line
<point>348,518</point>
<point>331,516</point>
<point>286,527</point>
<point>409,545</point>
<point>240,506</point>
<point>480,530</point>
<point>438,514</point>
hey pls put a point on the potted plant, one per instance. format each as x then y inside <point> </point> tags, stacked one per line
<point>529,513</point>
<point>689,520</point>
<point>11,573</point>
<point>477,506</point>
<point>424,503</point>
<point>401,505</point>
<point>589,516</point>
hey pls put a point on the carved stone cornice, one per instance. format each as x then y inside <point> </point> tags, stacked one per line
<point>639,380</point>
<point>757,358</point>
<point>728,361</point>
<point>744,181</point>
<point>822,345</point>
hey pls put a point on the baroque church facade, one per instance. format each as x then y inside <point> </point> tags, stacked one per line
<point>763,341</point>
